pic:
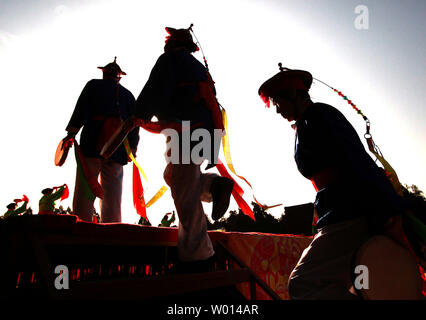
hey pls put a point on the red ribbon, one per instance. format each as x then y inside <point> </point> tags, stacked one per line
<point>92,181</point>
<point>24,198</point>
<point>138,198</point>
<point>237,191</point>
<point>66,193</point>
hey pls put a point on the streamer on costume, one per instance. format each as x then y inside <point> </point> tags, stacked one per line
<point>138,194</point>
<point>132,157</point>
<point>227,153</point>
<point>157,196</point>
<point>237,191</point>
<point>374,149</point>
<point>207,90</point>
<point>92,188</point>
<point>221,122</point>
<point>138,190</point>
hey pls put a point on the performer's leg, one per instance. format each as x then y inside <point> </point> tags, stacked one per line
<point>185,185</point>
<point>82,205</point>
<point>112,185</point>
<point>324,269</point>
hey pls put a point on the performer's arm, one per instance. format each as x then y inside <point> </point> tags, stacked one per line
<point>21,209</point>
<point>158,91</point>
<point>57,194</point>
<point>173,218</point>
<point>81,112</point>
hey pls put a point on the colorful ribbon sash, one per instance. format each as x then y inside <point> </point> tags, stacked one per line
<point>138,191</point>
<point>91,186</point>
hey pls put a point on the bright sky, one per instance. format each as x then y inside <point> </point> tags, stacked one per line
<point>49,49</point>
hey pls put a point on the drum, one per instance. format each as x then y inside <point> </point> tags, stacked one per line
<point>384,270</point>
<point>62,152</point>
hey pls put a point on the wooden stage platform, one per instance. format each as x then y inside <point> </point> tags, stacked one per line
<point>132,262</point>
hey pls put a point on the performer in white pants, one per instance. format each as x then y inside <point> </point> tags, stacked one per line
<point>180,90</point>
<point>102,106</point>
<point>111,181</point>
<point>189,187</point>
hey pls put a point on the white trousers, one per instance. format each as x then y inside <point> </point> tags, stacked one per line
<point>189,187</point>
<point>111,181</point>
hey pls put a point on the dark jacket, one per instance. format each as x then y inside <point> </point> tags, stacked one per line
<point>100,99</point>
<point>172,93</point>
<point>325,140</point>
<point>171,88</point>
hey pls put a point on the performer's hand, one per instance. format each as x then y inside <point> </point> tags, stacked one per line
<point>69,136</point>
<point>68,140</point>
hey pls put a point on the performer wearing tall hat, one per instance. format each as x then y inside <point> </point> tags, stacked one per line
<point>354,199</point>
<point>180,89</point>
<point>102,106</point>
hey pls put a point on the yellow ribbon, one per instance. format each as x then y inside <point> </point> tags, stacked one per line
<point>227,149</point>
<point>227,153</point>
<point>157,196</point>
<point>130,154</point>
<point>160,192</point>
<point>390,172</point>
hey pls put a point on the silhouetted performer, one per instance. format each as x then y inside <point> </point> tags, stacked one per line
<point>144,222</point>
<point>354,198</point>
<point>47,201</point>
<point>102,106</point>
<point>175,92</point>
<point>166,222</point>
<point>12,209</point>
